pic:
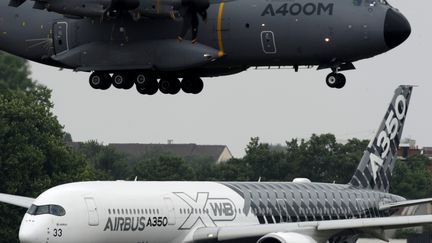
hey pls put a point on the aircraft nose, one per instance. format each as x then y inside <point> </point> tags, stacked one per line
<point>28,232</point>
<point>25,236</point>
<point>396,28</point>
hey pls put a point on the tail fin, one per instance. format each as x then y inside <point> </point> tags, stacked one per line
<point>375,168</point>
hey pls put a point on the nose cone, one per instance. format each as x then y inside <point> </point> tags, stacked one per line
<point>396,29</point>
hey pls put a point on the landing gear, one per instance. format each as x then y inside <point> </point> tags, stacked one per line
<point>169,85</point>
<point>122,81</point>
<point>336,80</point>
<point>100,80</point>
<point>192,85</point>
<point>146,84</point>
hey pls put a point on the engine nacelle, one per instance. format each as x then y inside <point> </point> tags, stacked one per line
<point>81,8</point>
<point>159,8</point>
<point>289,237</point>
<point>89,8</point>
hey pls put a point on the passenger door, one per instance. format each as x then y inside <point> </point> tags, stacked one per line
<point>93,216</point>
<point>169,205</point>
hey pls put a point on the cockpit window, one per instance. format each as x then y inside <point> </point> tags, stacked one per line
<point>383,2</point>
<point>46,209</point>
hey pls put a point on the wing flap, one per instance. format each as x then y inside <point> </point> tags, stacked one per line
<point>24,202</point>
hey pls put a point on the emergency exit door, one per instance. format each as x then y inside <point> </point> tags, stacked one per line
<point>93,217</point>
<point>60,37</point>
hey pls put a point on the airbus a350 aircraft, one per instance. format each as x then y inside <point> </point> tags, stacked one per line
<point>201,212</point>
<point>143,42</point>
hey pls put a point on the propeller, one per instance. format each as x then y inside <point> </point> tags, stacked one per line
<point>191,11</point>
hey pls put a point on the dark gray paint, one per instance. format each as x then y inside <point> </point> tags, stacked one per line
<point>356,32</point>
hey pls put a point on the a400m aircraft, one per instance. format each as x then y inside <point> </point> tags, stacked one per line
<point>226,212</point>
<point>143,42</point>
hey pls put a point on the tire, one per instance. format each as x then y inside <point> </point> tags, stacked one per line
<point>198,85</point>
<point>175,86</point>
<point>119,80</point>
<point>149,87</point>
<point>341,81</point>
<point>332,80</point>
<point>107,81</point>
<point>100,80</point>
<point>95,80</point>
<point>187,85</point>
<point>164,86</point>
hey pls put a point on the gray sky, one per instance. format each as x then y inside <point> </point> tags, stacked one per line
<point>275,105</point>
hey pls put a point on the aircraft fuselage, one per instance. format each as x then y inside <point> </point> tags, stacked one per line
<point>238,35</point>
<point>154,212</point>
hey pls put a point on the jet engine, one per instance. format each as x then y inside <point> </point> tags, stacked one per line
<point>289,237</point>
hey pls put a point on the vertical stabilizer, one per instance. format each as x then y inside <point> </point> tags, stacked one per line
<point>375,168</point>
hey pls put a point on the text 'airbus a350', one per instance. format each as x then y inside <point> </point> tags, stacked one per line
<point>224,212</point>
<point>155,43</point>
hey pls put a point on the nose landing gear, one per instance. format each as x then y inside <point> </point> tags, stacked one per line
<point>336,80</point>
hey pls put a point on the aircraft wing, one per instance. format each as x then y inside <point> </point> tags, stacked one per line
<point>405,203</point>
<point>24,202</point>
<point>332,226</point>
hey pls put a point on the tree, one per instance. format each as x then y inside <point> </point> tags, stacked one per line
<point>164,168</point>
<point>14,74</point>
<point>108,163</point>
<point>412,178</point>
<point>33,156</point>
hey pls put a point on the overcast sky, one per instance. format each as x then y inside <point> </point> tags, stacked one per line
<point>275,105</point>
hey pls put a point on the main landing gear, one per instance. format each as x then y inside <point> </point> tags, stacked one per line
<point>336,80</point>
<point>146,84</point>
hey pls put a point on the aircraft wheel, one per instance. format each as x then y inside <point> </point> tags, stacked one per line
<point>198,85</point>
<point>187,85</point>
<point>146,84</point>
<point>129,83</point>
<point>192,85</point>
<point>100,80</point>
<point>332,80</point>
<point>120,80</point>
<point>341,81</point>
<point>169,85</point>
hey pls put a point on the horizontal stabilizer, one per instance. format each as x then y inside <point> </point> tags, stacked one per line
<point>16,3</point>
<point>24,202</point>
<point>405,203</point>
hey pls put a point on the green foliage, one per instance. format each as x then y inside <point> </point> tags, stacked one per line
<point>33,156</point>
<point>106,162</point>
<point>14,74</point>
<point>404,233</point>
<point>412,178</point>
<point>164,168</point>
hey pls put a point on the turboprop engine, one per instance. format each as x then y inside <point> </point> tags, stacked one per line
<point>289,237</point>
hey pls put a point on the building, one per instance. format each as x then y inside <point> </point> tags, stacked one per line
<point>218,153</point>
<point>408,147</point>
